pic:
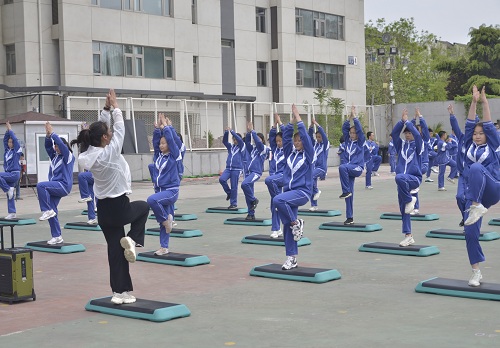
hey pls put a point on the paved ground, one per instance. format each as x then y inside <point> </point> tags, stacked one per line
<point>373,305</point>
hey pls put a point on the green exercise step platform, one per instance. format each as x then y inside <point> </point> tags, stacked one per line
<point>176,232</point>
<point>395,249</point>
<point>460,234</point>
<point>179,217</point>
<point>141,309</point>
<point>319,212</point>
<point>301,274</point>
<point>264,239</point>
<point>86,212</point>
<point>459,288</point>
<point>494,222</point>
<point>243,221</point>
<point>356,227</point>
<point>81,225</point>
<point>17,221</point>
<point>415,217</point>
<point>177,259</point>
<point>226,210</point>
<point>62,248</point>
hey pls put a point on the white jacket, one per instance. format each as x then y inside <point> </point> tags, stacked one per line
<point>110,170</point>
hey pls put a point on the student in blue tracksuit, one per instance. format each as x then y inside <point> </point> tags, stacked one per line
<point>60,181</point>
<point>460,163</point>
<point>321,148</point>
<point>85,184</point>
<point>12,169</point>
<point>341,151</point>
<point>372,159</point>
<point>166,177</point>
<point>236,156</point>
<point>408,171</point>
<point>349,171</point>
<point>297,179</point>
<point>453,150</point>
<point>274,182</point>
<point>256,155</point>
<point>392,156</point>
<point>482,173</point>
<point>444,159</point>
<point>431,153</point>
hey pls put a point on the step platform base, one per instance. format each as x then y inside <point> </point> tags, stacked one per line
<point>460,234</point>
<point>62,248</point>
<point>141,309</point>
<point>225,210</point>
<point>82,226</point>
<point>393,248</point>
<point>494,222</point>
<point>177,259</point>
<point>416,217</point>
<point>242,221</point>
<point>86,212</point>
<point>319,212</point>
<point>17,221</point>
<point>176,232</point>
<point>459,288</point>
<point>179,217</point>
<point>301,274</point>
<point>264,239</point>
<point>356,227</point>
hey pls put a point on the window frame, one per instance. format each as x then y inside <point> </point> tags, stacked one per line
<point>167,59</point>
<point>194,12</point>
<point>299,76</point>
<point>196,71</point>
<point>10,60</point>
<point>260,19</point>
<point>261,74</point>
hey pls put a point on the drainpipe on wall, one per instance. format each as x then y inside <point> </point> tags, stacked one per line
<point>40,50</point>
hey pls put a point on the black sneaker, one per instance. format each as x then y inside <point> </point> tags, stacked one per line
<point>254,204</point>
<point>232,207</point>
<point>250,217</point>
<point>228,197</point>
<point>349,221</point>
<point>461,224</point>
<point>345,195</point>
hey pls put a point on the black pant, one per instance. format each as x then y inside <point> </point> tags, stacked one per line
<point>113,215</point>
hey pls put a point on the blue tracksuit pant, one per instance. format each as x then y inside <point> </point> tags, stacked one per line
<point>162,203</point>
<point>318,173</point>
<point>405,183</point>
<point>233,176</point>
<point>275,187</point>
<point>247,186</point>
<point>348,172</point>
<point>86,186</point>
<point>8,180</point>
<point>49,195</point>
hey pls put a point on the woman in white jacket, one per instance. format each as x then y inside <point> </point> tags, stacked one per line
<point>101,155</point>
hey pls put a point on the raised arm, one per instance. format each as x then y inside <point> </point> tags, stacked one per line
<point>169,134</point>
<point>472,110</point>
<point>304,137</point>
<point>454,123</point>
<point>225,139</point>
<point>241,143</point>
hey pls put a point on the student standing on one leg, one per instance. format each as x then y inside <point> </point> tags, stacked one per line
<point>256,155</point>
<point>421,125</point>
<point>408,171</point>
<point>349,171</point>
<point>166,178</point>
<point>112,183</point>
<point>444,159</point>
<point>431,152</point>
<point>86,186</point>
<point>341,151</point>
<point>321,148</point>
<point>60,181</point>
<point>372,159</point>
<point>297,179</point>
<point>274,182</point>
<point>392,156</point>
<point>22,165</point>
<point>12,169</point>
<point>234,166</point>
<point>482,175</point>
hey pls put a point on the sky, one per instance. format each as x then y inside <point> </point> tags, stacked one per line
<point>449,20</point>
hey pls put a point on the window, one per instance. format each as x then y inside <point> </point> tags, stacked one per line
<point>96,57</point>
<point>227,43</point>
<point>315,75</point>
<point>299,24</point>
<point>152,7</point>
<point>261,74</point>
<point>319,24</point>
<point>194,12</point>
<point>260,17</point>
<point>113,4</point>
<point>319,27</point>
<point>94,2</point>
<point>5,2</point>
<point>195,70</point>
<point>133,60</point>
<point>169,63</point>
<point>10,51</point>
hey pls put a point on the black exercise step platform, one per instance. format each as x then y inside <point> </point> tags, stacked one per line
<point>356,227</point>
<point>141,309</point>
<point>264,239</point>
<point>494,222</point>
<point>177,259</point>
<point>302,274</point>
<point>243,221</point>
<point>176,232</point>
<point>395,249</point>
<point>415,217</point>
<point>86,212</point>
<point>61,248</point>
<point>459,288</point>
<point>81,225</point>
<point>179,217</point>
<point>226,210</point>
<point>460,234</point>
<point>319,212</point>
<point>17,221</point>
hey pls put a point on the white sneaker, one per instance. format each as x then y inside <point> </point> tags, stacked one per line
<point>10,216</point>
<point>435,169</point>
<point>291,262</point>
<point>415,191</point>
<point>393,173</point>
<point>414,212</point>
<point>411,205</point>
<point>86,199</point>
<point>375,174</point>
<point>276,234</point>
<point>92,222</point>
<point>47,215</point>
<point>407,241</point>
<point>442,189</point>
<point>316,196</point>
<point>129,245</point>
<point>161,251</point>
<point>313,208</point>
<point>429,180</point>
<point>10,193</point>
<point>369,187</point>
<point>475,278</point>
<point>450,180</point>
<point>298,230</point>
<point>124,297</point>
<point>169,223</point>
<point>475,213</point>
<point>55,240</point>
